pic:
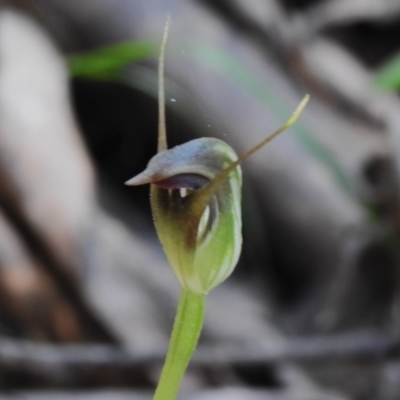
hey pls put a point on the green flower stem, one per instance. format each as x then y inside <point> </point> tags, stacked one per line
<point>185,335</point>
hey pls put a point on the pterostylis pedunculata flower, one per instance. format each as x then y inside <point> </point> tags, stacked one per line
<point>196,206</point>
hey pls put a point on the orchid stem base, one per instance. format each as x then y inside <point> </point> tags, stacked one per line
<point>185,335</point>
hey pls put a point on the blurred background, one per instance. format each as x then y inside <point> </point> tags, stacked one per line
<point>87,299</point>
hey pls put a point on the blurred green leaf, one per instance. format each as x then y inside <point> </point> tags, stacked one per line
<point>388,77</point>
<point>106,63</point>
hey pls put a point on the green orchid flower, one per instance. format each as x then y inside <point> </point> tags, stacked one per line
<point>196,206</point>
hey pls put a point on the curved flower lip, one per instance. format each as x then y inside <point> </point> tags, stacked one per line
<point>143,178</point>
<point>179,181</point>
<point>189,159</point>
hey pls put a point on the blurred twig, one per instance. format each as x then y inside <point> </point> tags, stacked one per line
<point>50,358</point>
